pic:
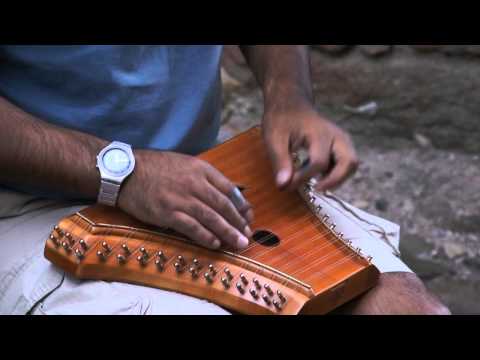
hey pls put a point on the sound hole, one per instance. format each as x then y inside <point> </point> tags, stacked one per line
<point>266,238</point>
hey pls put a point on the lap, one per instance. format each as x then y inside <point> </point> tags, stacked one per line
<point>41,288</point>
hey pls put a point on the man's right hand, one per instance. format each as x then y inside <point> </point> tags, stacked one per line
<point>187,195</point>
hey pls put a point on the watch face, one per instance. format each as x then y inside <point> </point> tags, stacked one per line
<point>116,161</point>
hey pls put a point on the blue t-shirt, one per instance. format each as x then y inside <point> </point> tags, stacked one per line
<point>164,97</point>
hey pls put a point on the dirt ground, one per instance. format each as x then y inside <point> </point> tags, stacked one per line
<point>430,192</point>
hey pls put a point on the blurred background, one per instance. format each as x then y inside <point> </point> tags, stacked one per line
<point>413,112</point>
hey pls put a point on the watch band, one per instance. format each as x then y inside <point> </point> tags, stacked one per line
<point>108,194</point>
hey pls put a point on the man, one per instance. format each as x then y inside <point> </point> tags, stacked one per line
<point>61,106</point>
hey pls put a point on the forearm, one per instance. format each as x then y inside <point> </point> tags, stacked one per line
<point>283,72</point>
<point>38,155</point>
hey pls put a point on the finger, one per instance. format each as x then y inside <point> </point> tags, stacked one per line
<point>320,152</point>
<point>225,186</point>
<point>223,206</point>
<point>214,222</point>
<point>344,168</point>
<point>191,228</point>
<point>279,152</point>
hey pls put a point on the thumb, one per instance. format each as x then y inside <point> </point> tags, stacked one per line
<point>282,162</point>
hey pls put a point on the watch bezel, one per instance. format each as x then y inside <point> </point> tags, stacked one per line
<point>106,173</point>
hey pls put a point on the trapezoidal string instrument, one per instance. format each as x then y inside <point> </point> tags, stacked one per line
<point>297,263</point>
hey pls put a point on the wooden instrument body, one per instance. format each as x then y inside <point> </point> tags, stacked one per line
<point>309,270</point>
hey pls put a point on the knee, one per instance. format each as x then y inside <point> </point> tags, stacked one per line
<point>399,294</point>
<point>412,296</point>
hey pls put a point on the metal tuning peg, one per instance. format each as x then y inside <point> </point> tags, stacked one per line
<point>83,244</point>
<point>226,283</point>
<point>178,267</point>
<point>208,277</point>
<point>181,260</point>
<point>228,273</point>
<point>160,265</point>
<point>142,260</point>
<point>125,249</point>
<point>79,254</point>
<point>278,305</point>
<point>144,253</point>
<point>197,264</point>
<point>121,259</point>
<point>244,279</point>
<point>257,284</point>
<point>161,256</point>
<point>254,293</point>
<point>266,299</point>
<point>69,238</point>
<point>282,297</point>
<point>240,288</point>
<point>54,240</point>
<point>107,247</point>
<point>194,272</point>
<point>268,289</point>
<point>212,269</point>
<point>66,246</point>
<point>101,256</point>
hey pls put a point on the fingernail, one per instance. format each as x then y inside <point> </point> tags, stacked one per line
<point>248,232</point>
<point>216,244</point>
<point>283,177</point>
<point>242,242</point>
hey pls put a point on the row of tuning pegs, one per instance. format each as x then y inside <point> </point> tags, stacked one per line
<point>318,210</point>
<point>243,285</point>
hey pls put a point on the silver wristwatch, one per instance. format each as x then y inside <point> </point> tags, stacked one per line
<point>116,163</point>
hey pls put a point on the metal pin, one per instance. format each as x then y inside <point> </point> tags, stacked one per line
<point>56,228</point>
<point>228,273</point>
<point>101,255</point>
<point>266,299</point>
<point>370,259</point>
<point>126,249</point>
<point>208,277</point>
<point>318,209</point>
<point>333,227</point>
<point>121,259</point>
<point>66,246</point>
<point>54,240</point>
<point>240,288</point>
<point>196,263</point>
<point>83,244</point>
<point>254,293</point>
<point>193,271</point>
<point>326,218</point>
<point>178,267</point>
<point>277,305</point>
<point>226,283</point>
<point>181,260</point>
<point>312,200</point>
<point>244,279</point>
<point>269,289</point>
<point>106,247</point>
<point>144,252</point>
<point>141,260</point>
<point>211,268</point>
<point>257,284</point>
<point>161,255</point>
<point>282,297</point>
<point>79,254</point>
<point>159,265</point>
